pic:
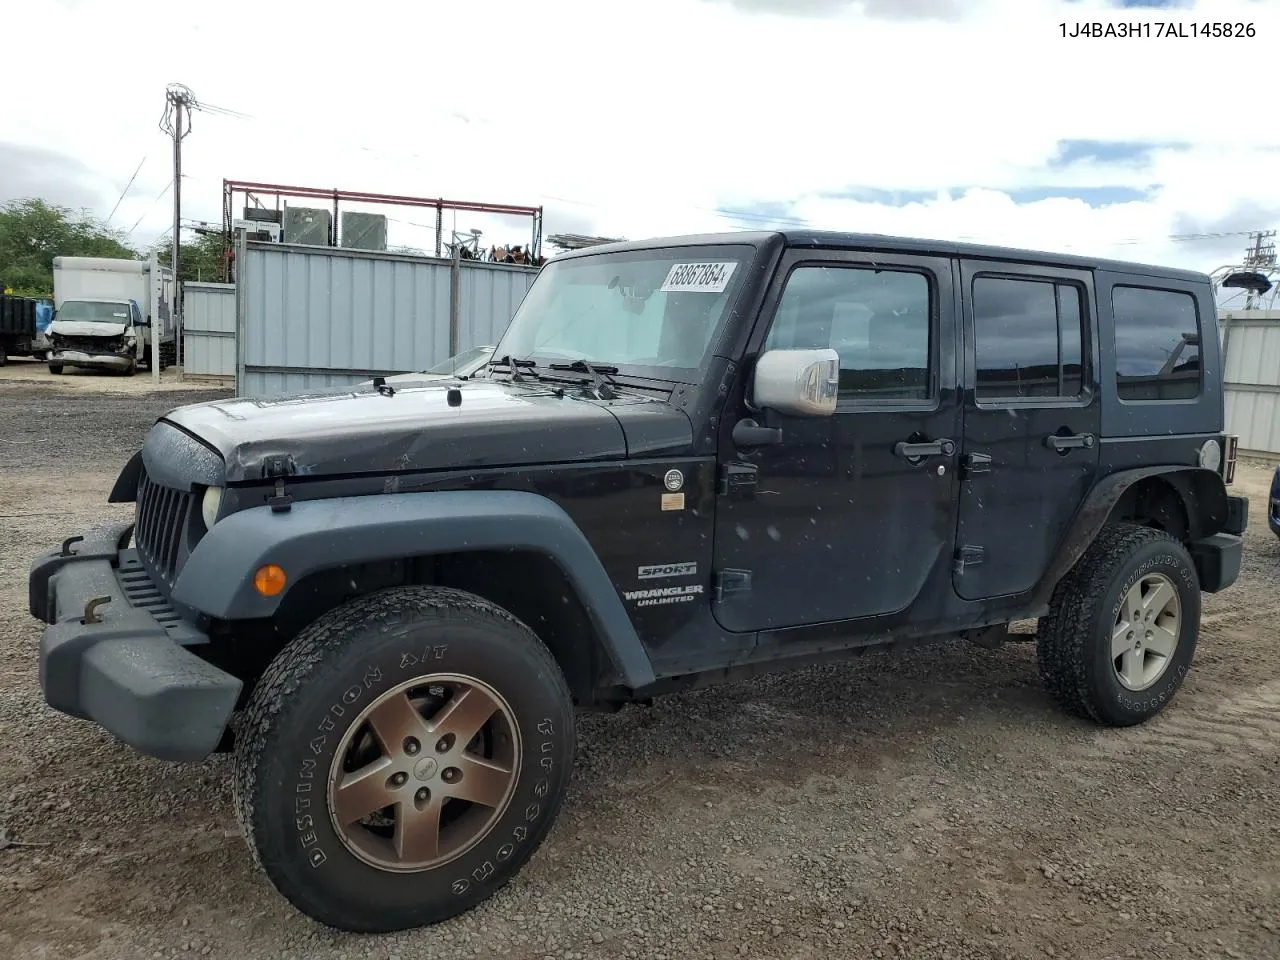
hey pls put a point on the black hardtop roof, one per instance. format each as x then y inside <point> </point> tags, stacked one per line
<point>835,240</point>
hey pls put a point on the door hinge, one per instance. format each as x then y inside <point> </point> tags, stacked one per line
<point>738,480</point>
<point>277,468</point>
<point>732,582</point>
<point>975,463</point>
<point>968,556</point>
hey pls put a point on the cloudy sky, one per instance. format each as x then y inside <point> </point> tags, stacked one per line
<point>962,119</point>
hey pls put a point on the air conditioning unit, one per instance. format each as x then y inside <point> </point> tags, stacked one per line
<point>308,225</point>
<point>364,231</point>
<point>263,215</point>
<point>259,230</point>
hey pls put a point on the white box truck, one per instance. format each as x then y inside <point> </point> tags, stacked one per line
<point>111,314</point>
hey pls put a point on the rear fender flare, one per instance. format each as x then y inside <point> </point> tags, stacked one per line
<point>1202,491</point>
<point>316,535</point>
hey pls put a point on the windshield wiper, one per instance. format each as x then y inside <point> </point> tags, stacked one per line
<point>597,372</point>
<point>514,364</point>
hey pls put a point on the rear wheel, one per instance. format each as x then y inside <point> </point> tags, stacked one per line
<point>402,758</point>
<point>1122,628</point>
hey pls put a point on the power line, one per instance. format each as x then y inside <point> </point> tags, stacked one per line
<point>739,216</point>
<point>159,197</point>
<point>126,188</point>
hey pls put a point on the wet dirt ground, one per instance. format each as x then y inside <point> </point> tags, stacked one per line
<point>932,803</point>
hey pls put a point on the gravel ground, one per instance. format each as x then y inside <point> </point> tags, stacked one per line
<point>930,804</point>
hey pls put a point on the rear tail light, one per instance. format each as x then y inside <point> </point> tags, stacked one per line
<point>1230,445</point>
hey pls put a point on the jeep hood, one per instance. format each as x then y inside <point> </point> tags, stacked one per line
<point>86,328</point>
<point>497,424</point>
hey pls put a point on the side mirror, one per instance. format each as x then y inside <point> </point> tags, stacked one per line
<point>802,383</point>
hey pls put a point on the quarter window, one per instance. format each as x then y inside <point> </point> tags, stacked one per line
<point>878,320</point>
<point>1028,338</point>
<point>1157,344</point>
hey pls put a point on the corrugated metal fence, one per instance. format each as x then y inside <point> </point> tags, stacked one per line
<point>209,329</point>
<point>315,317</point>
<point>1251,373</point>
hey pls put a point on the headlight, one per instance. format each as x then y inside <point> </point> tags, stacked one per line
<point>209,506</point>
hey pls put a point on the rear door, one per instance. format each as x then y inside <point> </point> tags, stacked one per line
<point>1031,421</point>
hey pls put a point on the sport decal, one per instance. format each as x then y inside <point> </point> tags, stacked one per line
<point>664,571</point>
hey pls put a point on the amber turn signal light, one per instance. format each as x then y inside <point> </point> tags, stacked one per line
<point>269,580</point>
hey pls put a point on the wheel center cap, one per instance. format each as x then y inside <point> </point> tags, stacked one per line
<point>425,768</point>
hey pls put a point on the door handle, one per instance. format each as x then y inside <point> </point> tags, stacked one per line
<point>1072,442</point>
<point>748,433</point>
<point>916,451</point>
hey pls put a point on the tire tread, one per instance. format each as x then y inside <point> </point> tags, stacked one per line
<point>314,647</point>
<point>1065,635</point>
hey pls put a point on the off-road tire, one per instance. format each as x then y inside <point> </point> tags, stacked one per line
<point>1074,642</point>
<point>309,696</point>
<point>55,368</point>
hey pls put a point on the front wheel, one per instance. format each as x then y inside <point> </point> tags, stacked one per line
<point>55,368</point>
<point>402,758</point>
<point>1122,627</point>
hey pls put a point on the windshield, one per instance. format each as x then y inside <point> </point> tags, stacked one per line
<point>650,312</point>
<point>459,362</point>
<point>95,311</point>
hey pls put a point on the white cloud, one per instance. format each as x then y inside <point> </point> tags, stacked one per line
<point>650,116</point>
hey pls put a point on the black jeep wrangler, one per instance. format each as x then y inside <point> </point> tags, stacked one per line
<point>689,461</point>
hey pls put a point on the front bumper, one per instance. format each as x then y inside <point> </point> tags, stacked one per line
<point>95,361</point>
<point>125,667</point>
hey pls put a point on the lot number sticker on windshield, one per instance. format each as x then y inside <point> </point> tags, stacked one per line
<point>698,278</point>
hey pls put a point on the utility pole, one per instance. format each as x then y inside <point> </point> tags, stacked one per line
<point>1260,257</point>
<point>177,123</point>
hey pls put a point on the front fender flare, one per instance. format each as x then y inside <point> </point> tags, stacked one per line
<point>316,535</point>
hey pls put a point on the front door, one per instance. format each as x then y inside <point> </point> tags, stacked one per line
<point>845,517</point>
<point>1030,421</point>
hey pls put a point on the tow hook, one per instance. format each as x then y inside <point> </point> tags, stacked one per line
<point>91,610</point>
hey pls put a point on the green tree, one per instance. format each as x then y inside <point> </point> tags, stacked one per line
<point>33,232</point>
<point>201,256</point>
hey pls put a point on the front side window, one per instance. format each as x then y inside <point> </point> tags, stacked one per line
<point>1157,344</point>
<point>878,320</point>
<point>656,312</point>
<point>1028,338</point>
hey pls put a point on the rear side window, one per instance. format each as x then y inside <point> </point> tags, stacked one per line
<point>1157,344</point>
<point>1029,339</point>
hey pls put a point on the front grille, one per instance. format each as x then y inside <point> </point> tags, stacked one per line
<point>88,344</point>
<point>159,524</point>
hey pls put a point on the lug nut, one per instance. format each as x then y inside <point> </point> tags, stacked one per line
<point>451,775</point>
<point>399,779</point>
<point>423,795</point>
<point>445,743</point>
<point>411,746</point>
